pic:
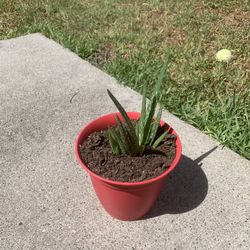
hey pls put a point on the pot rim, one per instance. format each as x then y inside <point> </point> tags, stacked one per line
<point>135,115</point>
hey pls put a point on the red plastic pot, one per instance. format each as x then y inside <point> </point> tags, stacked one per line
<point>124,200</point>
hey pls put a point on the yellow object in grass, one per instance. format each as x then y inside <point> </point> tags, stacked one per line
<point>224,55</point>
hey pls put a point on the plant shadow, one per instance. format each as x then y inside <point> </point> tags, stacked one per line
<point>185,188</point>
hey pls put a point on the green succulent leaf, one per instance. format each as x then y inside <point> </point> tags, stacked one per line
<point>159,140</point>
<point>131,139</point>
<point>121,110</point>
<point>125,136</point>
<point>148,122</point>
<point>157,91</point>
<point>127,121</point>
<point>119,141</point>
<point>143,107</point>
<point>113,143</point>
<point>155,126</point>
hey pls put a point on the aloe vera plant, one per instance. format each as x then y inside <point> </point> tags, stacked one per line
<point>132,139</point>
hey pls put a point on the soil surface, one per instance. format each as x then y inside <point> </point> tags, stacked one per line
<point>97,155</point>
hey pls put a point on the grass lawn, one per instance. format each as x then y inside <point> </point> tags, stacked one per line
<point>129,39</point>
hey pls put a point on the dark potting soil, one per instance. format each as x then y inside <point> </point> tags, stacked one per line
<point>97,155</point>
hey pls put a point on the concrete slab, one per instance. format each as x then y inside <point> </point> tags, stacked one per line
<point>47,94</point>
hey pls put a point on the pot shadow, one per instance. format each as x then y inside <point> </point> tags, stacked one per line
<point>185,188</point>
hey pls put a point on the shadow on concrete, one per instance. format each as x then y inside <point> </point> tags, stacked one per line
<point>185,188</point>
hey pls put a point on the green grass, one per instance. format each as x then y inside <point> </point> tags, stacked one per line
<point>128,39</point>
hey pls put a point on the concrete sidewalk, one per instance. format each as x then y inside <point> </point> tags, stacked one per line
<point>47,94</point>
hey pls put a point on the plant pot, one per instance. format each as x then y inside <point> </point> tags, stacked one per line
<point>124,200</point>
